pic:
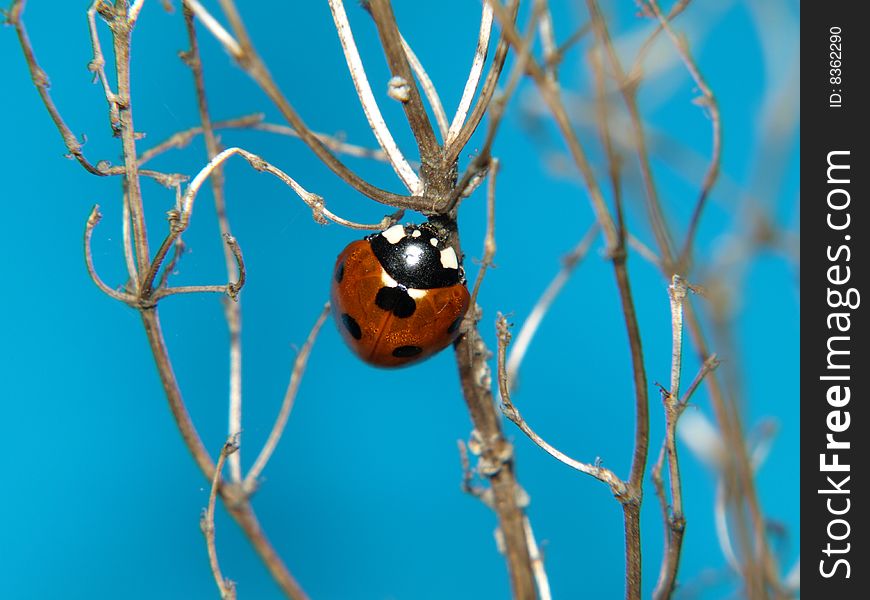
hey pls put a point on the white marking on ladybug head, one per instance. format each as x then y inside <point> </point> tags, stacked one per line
<point>394,233</point>
<point>448,259</point>
<point>417,294</point>
<point>387,280</point>
<point>434,241</point>
<point>416,233</point>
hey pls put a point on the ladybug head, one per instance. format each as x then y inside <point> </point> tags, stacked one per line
<point>417,256</point>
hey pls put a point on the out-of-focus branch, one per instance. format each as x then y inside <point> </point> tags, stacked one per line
<point>542,306</point>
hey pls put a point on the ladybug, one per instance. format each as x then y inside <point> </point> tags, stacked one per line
<point>399,296</point>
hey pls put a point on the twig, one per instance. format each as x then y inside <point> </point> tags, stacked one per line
<point>675,521</point>
<point>181,139</point>
<point>710,103</point>
<point>415,112</point>
<point>541,579</point>
<point>473,75</point>
<point>250,482</point>
<point>490,82</point>
<point>206,522</point>
<point>428,88</point>
<point>489,240</point>
<point>232,253</point>
<point>368,101</point>
<point>246,56</point>
<point>93,219</point>
<point>98,64</point>
<point>231,288</point>
<point>542,306</point>
<point>315,202</point>
<point>631,501</point>
<point>617,486</point>
<point>40,80</point>
<point>496,460</point>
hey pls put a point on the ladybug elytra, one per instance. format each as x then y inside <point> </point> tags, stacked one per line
<point>399,296</point>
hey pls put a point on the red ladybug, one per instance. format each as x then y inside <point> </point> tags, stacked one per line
<point>399,296</point>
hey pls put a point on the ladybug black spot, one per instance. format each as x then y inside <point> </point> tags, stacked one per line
<point>396,300</point>
<point>352,326</point>
<point>339,273</point>
<point>407,351</point>
<point>455,324</point>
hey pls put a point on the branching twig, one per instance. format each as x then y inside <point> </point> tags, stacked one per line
<point>473,75</point>
<point>368,101</point>
<point>675,521</point>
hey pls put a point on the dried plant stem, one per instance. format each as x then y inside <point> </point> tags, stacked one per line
<point>226,586</point>
<point>632,500</point>
<point>236,503</point>
<point>415,112</point>
<point>710,103</point>
<point>429,89</point>
<point>600,473</point>
<point>368,101</point>
<point>496,458</point>
<point>93,219</point>
<point>40,80</point>
<point>737,480</point>
<point>473,75</point>
<point>675,522</point>
<point>489,245</point>
<point>232,310</point>
<point>245,54</point>
<point>299,365</point>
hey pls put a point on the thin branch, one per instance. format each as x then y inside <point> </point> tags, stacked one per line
<point>236,503</point>
<point>474,75</point>
<point>246,56</point>
<point>296,375</point>
<point>496,461</point>
<point>451,152</point>
<point>122,33</point>
<point>675,521</point>
<point>617,486</point>
<point>40,80</point>
<point>628,89</point>
<point>415,112</point>
<point>542,306</point>
<point>428,88</point>
<point>315,202</point>
<point>93,219</point>
<point>541,579</point>
<point>709,102</point>
<point>98,64</point>
<point>181,139</point>
<point>368,102</point>
<point>489,239</point>
<point>232,253</point>
<point>631,502</point>
<point>231,288</point>
<point>226,587</point>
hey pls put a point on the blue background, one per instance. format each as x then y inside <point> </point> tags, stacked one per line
<point>362,498</point>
